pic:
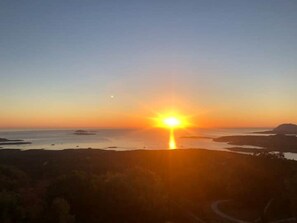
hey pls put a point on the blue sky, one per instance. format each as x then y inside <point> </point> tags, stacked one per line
<point>230,62</point>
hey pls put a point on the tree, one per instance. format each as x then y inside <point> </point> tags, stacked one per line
<point>60,211</point>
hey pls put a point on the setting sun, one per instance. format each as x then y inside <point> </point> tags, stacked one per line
<point>172,122</point>
<point>148,111</point>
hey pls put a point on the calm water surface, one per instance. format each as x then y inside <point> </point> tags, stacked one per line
<point>123,139</point>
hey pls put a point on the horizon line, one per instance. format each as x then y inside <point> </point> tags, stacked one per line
<point>70,128</point>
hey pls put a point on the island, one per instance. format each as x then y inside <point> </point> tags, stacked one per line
<point>282,129</point>
<point>281,143</point>
<point>6,142</point>
<point>84,132</point>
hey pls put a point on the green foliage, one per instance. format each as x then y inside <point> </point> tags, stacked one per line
<point>10,210</point>
<point>270,155</point>
<point>60,212</point>
<point>133,196</point>
<point>136,195</point>
<point>139,186</point>
<point>12,178</point>
<point>292,193</point>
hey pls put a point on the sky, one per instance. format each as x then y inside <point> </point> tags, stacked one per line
<point>109,64</point>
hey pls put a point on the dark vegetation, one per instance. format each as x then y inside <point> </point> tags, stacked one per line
<point>281,143</point>
<point>246,150</point>
<point>140,186</point>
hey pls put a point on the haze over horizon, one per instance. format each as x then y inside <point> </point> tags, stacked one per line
<point>112,63</point>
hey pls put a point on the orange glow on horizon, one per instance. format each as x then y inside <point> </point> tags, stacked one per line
<point>62,116</point>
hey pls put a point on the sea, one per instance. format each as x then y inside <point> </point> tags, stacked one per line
<point>125,139</point>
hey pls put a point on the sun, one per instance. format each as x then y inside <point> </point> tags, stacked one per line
<point>172,122</point>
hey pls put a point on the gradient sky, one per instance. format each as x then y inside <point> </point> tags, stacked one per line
<point>227,63</point>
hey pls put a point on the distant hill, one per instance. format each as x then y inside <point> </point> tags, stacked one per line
<point>286,128</point>
<point>282,129</point>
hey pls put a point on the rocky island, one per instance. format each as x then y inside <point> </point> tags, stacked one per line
<point>282,129</point>
<point>281,143</point>
<point>84,132</point>
<point>283,138</point>
<point>5,142</point>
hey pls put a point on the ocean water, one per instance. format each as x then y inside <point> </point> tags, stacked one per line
<point>119,139</point>
<point>123,139</point>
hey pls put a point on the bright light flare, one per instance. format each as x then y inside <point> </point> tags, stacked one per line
<point>172,143</point>
<point>172,122</point>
